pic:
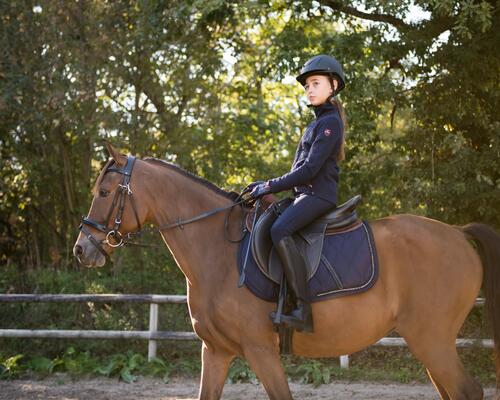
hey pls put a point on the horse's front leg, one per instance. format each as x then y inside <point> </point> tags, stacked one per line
<point>215,364</point>
<point>265,361</point>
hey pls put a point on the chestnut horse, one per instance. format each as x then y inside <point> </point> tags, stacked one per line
<point>428,281</point>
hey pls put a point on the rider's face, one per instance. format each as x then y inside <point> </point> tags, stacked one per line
<point>318,89</point>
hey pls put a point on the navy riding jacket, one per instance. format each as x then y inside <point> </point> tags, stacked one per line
<point>314,169</point>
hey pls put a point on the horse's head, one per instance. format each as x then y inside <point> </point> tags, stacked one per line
<point>115,212</point>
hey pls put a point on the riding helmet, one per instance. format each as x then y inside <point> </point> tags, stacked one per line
<point>322,65</point>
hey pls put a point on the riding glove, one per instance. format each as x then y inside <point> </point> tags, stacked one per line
<point>252,185</point>
<point>261,189</point>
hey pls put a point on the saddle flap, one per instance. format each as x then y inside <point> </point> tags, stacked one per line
<point>309,240</point>
<point>311,233</point>
<point>261,240</point>
<point>310,251</point>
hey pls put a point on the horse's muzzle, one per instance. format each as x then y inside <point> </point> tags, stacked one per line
<point>87,254</point>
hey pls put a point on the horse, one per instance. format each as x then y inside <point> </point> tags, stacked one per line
<point>429,277</point>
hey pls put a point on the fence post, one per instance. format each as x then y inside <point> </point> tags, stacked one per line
<point>344,362</point>
<point>153,327</point>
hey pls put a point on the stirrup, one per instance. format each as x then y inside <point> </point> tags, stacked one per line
<point>298,324</point>
<point>291,321</point>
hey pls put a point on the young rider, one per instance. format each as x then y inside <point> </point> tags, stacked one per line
<point>313,177</point>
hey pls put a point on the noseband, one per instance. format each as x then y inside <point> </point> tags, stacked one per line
<point>119,199</point>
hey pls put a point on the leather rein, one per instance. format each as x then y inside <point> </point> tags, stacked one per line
<point>116,239</point>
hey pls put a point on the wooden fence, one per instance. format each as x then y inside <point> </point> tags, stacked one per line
<point>153,334</point>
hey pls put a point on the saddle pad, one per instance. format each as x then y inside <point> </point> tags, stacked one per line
<point>348,265</point>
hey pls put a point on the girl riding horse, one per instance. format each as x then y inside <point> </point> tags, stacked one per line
<point>313,177</point>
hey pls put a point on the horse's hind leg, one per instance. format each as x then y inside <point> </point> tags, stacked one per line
<point>445,368</point>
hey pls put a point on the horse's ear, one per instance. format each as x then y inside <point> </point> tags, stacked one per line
<point>120,159</point>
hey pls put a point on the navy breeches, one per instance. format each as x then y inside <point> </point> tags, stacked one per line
<point>297,215</point>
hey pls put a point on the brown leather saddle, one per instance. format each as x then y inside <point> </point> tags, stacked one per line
<point>309,240</point>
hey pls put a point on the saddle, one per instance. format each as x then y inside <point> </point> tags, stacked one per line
<point>309,240</point>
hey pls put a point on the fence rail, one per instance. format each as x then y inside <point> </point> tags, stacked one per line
<point>153,334</point>
<point>93,298</point>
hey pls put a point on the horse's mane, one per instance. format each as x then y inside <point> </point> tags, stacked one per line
<point>231,195</point>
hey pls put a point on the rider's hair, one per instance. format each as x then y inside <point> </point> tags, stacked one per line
<point>336,102</point>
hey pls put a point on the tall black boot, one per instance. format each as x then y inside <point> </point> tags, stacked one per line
<point>296,275</point>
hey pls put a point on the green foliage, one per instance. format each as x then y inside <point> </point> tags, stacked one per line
<point>159,368</point>
<point>240,372</point>
<point>10,367</point>
<point>123,365</point>
<point>76,362</point>
<point>314,372</point>
<point>43,366</point>
<point>79,363</point>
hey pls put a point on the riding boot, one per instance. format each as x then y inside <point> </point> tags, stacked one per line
<point>295,270</point>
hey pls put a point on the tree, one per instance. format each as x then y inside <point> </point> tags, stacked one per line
<point>210,85</point>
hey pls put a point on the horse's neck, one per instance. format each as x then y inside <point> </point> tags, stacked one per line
<point>199,248</point>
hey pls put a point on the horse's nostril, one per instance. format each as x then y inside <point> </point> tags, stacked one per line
<point>78,250</point>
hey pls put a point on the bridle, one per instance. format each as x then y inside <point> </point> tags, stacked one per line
<point>119,199</point>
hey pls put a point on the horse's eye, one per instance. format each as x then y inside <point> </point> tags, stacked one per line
<point>103,192</point>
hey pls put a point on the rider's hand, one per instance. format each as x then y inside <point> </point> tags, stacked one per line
<point>253,184</point>
<point>261,189</point>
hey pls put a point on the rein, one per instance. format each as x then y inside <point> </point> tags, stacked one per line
<point>116,239</point>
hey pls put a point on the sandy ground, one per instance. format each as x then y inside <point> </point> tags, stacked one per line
<point>63,388</point>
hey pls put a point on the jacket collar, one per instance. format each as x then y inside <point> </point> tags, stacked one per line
<point>323,109</point>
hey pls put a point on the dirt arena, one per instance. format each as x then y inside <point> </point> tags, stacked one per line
<point>63,388</point>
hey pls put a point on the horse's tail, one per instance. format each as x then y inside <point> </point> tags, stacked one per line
<point>488,246</point>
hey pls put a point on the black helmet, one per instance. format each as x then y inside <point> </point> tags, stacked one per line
<point>322,65</point>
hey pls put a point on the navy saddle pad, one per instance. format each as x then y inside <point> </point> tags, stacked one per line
<point>348,265</point>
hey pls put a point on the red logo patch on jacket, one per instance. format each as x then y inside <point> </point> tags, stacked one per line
<point>327,132</point>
